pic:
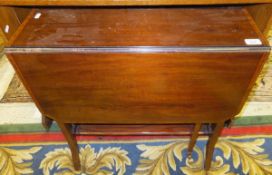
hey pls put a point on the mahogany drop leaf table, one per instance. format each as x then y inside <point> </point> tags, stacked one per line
<point>153,70</point>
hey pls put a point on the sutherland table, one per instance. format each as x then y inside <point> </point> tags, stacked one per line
<point>151,69</point>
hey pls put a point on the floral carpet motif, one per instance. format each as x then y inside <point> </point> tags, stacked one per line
<point>234,154</point>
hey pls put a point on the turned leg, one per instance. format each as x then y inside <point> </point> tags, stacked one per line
<point>67,131</point>
<point>46,122</point>
<point>211,143</point>
<point>193,139</point>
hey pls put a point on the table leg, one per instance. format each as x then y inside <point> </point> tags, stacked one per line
<point>211,143</point>
<point>67,131</point>
<point>193,140</point>
<point>46,122</point>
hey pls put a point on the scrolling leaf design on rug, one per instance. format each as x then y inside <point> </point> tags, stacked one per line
<point>102,162</point>
<point>15,161</point>
<point>157,158</point>
<point>247,155</point>
<point>196,166</point>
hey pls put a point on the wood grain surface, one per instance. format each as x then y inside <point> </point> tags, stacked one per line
<point>262,15</point>
<point>94,27</point>
<point>8,18</point>
<point>138,88</point>
<point>125,2</point>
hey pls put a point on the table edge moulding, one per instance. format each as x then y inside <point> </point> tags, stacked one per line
<point>125,2</point>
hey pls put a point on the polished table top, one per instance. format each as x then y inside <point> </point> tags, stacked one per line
<point>178,27</point>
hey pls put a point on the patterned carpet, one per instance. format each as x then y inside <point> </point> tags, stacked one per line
<point>240,150</point>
